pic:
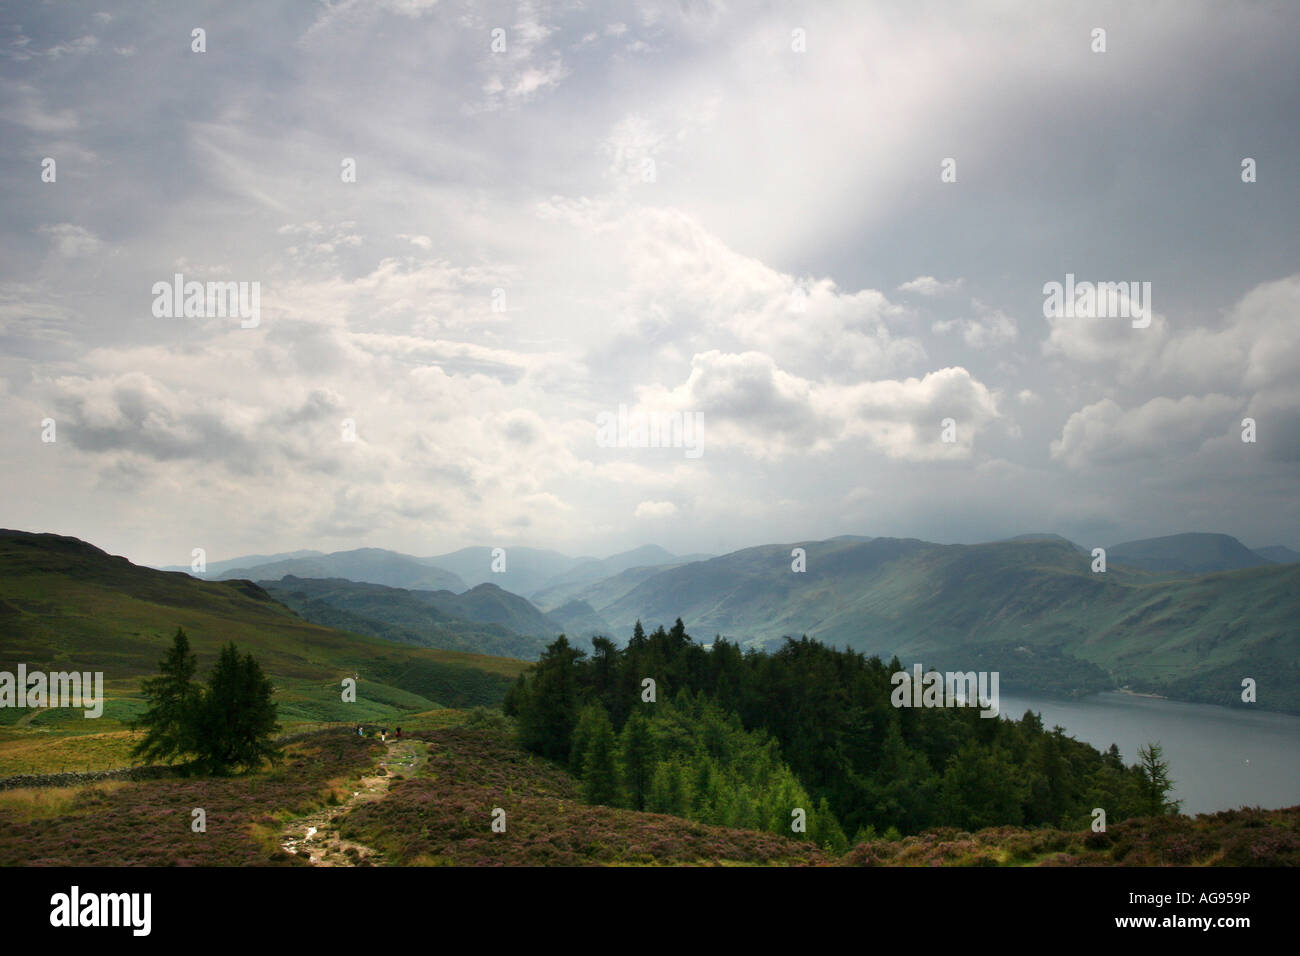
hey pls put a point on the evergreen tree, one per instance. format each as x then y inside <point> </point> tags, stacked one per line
<point>172,697</point>
<point>599,767</point>
<point>547,707</point>
<point>236,716</point>
<point>636,760</point>
<point>980,788</point>
<point>1154,783</point>
<point>825,830</point>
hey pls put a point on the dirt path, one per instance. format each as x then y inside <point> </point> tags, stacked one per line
<point>316,835</point>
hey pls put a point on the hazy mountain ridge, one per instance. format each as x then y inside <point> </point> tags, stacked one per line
<point>1278,554</point>
<point>408,617</point>
<point>216,568</point>
<point>1191,636</point>
<point>1189,553</point>
<point>364,565</point>
<point>1030,607</point>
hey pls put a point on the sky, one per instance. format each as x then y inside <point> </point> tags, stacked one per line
<point>820,232</point>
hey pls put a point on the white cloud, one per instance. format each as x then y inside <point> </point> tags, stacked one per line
<point>655,509</point>
<point>930,286</point>
<point>1106,434</point>
<point>991,327</point>
<point>71,240</point>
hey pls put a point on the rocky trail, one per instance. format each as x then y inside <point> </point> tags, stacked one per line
<point>316,835</point>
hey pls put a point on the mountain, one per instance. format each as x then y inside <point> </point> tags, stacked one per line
<point>1044,536</point>
<point>649,555</point>
<point>65,604</point>
<point>1031,609</point>
<point>1194,553</point>
<point>1278,554</point>
<point>526,569</point>
<point>215,568</point>
<point>597,593</point>
<point>580,621</point>
<point>489,604</point>
<point>395,614</point>
<point>364,565</point>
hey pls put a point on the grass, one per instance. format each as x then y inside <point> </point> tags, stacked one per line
<point>25,804</point>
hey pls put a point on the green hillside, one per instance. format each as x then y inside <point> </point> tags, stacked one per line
<point>65,604</point>
<point>1032,609</point>
<point>1193,553</point>
<point>421,618</point>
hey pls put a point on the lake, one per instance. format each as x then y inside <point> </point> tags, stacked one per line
<point>1219,758</point>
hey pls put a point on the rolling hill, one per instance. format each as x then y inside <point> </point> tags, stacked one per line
<point>526,568</point>
<point>1193,553</point>
<point>65,604</point>
<point>216,568</point>
<point>364,565</point>
<point>1278,554</point>
<point>1031,609</point>
<point>408,617</point>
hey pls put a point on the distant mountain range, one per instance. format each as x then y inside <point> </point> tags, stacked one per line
<point>550,579</point>
<point>1189,554</point>
<point>485,620</point>
<point>1186,615</point>
<point>368,565</point>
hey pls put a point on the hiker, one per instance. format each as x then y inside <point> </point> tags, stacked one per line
<point>399,733</point>
<point>383,735</point>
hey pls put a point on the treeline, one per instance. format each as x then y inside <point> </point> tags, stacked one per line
<point>825,716</point>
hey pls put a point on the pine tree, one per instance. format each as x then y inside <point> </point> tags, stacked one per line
<point>172,697</point>
<point>589,719</point>
<point>548,704</point>
<point>637,759</point>
<point>599,768</point>
<point>237,716</point>
<point>825,830</point>
<point>1154,782</point>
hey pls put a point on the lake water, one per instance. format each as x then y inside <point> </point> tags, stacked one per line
<point>1220,758</point>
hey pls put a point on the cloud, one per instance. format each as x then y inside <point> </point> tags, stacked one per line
<point>71,240</point>
<point>991,327</point>
<point>750,404</point>
<point>930,286</point>
<point>655,509</point>
<point>1106,434</point>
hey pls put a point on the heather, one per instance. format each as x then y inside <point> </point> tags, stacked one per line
<point>1245,837</point>
<point>149,823</point>
<point>444,816</point>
